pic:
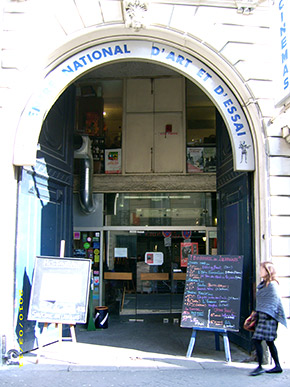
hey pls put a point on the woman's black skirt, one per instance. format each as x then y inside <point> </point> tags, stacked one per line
<point>266,328</point>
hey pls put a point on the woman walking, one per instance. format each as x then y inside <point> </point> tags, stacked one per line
<point>270,313</point>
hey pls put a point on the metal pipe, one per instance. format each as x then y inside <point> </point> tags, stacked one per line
<point>86,186</point>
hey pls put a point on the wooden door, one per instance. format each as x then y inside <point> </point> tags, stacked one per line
<point>154,126</point>
<point>139,143</point>
<point>235,213</point>
<point>44,206</point>
<point>169,153</point>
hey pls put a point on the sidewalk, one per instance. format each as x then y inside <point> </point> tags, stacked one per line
<point>138,354</point>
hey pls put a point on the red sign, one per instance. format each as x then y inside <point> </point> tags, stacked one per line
<point>150,258</point>
<point>186,249</point>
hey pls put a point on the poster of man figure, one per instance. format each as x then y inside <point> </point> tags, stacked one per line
<point>186,249</point>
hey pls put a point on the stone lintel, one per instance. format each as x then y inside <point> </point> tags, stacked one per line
<point>198,182</point>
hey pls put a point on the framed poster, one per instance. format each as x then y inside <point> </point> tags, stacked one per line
<point>60,290</point>
<point>113,161</point>
<point>121,252</point>
<point>209,155</point>
<point>186,249</point>
<point>154,258</point>
<point>194,159</point>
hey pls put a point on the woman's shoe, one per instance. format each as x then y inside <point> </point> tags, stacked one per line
<point>258,371</point>
<point>275,370</point>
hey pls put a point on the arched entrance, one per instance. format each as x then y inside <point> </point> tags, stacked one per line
<point>237,128</point>
<point>63,75</point>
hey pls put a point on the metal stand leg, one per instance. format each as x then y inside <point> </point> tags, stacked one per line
<point>191,343</point>
<point>217,342</point>
<point>227,347</point>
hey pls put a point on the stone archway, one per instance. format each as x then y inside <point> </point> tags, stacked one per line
<point>84,60</point>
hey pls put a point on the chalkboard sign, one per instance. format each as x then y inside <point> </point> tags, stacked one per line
<point>60,290</point>
<point>212,292</point>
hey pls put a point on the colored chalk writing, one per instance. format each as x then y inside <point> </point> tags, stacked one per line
<point>212,292</point>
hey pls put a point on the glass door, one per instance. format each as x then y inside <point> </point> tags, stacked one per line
<point>145,271</point>
<point>153,274</point>
<point>120,272</point>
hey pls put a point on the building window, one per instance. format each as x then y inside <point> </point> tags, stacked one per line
<point>99,112</point>
<point>161,209</point>
<point>200,130</point>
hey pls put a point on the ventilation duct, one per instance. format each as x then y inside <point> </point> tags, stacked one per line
<point>83,152</point>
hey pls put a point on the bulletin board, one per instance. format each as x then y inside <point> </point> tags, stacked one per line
<point>60,290</point>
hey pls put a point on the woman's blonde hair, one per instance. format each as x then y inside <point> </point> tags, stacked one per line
<point>271,272</point>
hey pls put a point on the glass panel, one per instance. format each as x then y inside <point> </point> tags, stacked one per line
<point>120,272</point>
<point>113,111</point>
<point>161,209</point>
<point>153,274</point>
<point>212,242</point>
<point>200,130</point>
<point>99,113</point>
<point>144,271</point>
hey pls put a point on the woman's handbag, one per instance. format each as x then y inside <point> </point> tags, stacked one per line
<point>250,322</point>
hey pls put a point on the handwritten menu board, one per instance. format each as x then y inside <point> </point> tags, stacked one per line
<point>60,290</point>
<point>212,292</point>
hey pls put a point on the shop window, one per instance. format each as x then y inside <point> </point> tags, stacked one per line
<point>200,131</point>
<point>161,209</point>
<point>99,116</point>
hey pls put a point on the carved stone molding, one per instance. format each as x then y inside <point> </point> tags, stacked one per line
<point>247,6</point>
<point>136,14</point>
<point>152,183</point>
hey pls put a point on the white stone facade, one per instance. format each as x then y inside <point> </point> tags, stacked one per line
<point>234,38</point>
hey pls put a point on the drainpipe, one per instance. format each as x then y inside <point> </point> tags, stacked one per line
<point>82,145</point>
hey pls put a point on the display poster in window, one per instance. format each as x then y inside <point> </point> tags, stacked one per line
<point>154,258</point>
<point>209,156</point>
<point>121,252</point>
<point>113,161</point>
<point>194,159</point>
<point>92,126</point>
<point>186,249</point>
<point>60,290</point>
<point>212,293</point>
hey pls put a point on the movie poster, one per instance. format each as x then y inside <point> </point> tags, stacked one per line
<point>113,161</point>
<point>194,159</point>
<point>186,249</point>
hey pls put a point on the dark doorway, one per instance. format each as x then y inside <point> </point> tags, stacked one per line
<point>235,214</point>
